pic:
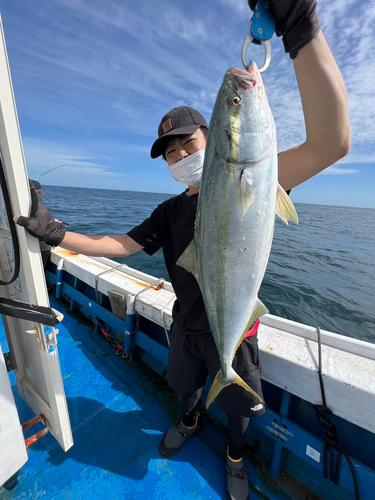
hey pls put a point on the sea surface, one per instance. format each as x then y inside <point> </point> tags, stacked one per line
<point>321,272</point>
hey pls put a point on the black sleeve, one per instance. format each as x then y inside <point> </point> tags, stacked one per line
<point>148,233</point>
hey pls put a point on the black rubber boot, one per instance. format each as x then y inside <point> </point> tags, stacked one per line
<point>237,483</point>
<point>176,437</point>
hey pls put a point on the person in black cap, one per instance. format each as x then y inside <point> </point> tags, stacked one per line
<point>181,141</point>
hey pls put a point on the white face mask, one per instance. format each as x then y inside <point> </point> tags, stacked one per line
<point>189,170</point>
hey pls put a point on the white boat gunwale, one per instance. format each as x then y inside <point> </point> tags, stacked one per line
<point>288,350</point>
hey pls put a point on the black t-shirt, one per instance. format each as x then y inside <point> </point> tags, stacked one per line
<point>171,227</point>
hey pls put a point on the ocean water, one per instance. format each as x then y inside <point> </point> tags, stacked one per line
<point>321,272</point>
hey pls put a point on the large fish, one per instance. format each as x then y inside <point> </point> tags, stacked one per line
<point>238,199</point>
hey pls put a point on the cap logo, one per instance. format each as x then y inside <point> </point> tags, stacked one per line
<point>166,126</point>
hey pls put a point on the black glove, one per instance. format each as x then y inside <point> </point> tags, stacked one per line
<point>295,20</point>
<point>40,223</point>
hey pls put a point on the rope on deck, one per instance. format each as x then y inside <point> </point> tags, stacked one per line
<point>332,442</point>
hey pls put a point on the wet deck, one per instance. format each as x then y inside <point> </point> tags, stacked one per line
<point>119,411</point>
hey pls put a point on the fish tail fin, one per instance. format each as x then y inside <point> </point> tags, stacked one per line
<point>220,383</point>
<point>238,380</point>
<point>217,386</point>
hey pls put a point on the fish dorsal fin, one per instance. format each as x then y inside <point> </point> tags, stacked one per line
<point>284,206</point>
<point>189,260</point>
<point>247,191</point>
<point>258,311</point>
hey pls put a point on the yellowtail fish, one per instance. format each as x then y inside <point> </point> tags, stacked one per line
<point>238,199</point>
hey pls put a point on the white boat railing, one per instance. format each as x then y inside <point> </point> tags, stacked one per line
<point>288,350</point>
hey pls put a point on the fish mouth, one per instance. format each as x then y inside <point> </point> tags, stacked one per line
<point>246,80</point>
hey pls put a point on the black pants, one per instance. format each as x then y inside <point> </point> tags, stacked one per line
<point>192,357</point>
<point>237,425</point>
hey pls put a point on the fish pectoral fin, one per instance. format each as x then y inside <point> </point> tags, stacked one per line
<point>220,383</point>
<point>247,191</point>
<point>189,260</point>
<point>284,206</point>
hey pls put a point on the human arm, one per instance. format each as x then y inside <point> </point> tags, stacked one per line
<point>41,225</point>
<point>99,246</point>
<point>325,110</point>
<point>322,91</point>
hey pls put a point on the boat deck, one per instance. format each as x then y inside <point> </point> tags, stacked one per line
<point>119,411</point>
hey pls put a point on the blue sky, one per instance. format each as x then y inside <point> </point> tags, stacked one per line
<point>92,79</point>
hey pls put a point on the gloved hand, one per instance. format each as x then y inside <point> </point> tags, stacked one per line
<point>295,20</point>
<point>40,223</point>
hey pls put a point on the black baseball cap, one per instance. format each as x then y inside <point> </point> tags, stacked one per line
<point>179,121</point>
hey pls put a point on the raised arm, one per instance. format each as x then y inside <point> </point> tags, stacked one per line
<point>322,91</point>
<point>325,110</point>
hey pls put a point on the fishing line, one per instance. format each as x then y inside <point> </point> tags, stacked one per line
<point>58,166</point>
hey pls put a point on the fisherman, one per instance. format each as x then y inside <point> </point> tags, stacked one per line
<point>181,141</point>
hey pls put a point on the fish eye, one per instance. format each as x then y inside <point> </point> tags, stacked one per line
<point>234,101</point>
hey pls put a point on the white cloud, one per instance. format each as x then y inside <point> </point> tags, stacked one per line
<point>339,171</point>
<point>42,156</point>
<point>181,26</point>
<point>350,30</point>
<point>135,148</point>
<point>240,7</point>
<point>96,77</point>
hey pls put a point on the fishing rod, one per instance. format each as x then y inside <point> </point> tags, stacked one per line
<point>54,168</point>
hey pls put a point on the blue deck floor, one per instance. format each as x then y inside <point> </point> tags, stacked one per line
<point>119,412</point>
